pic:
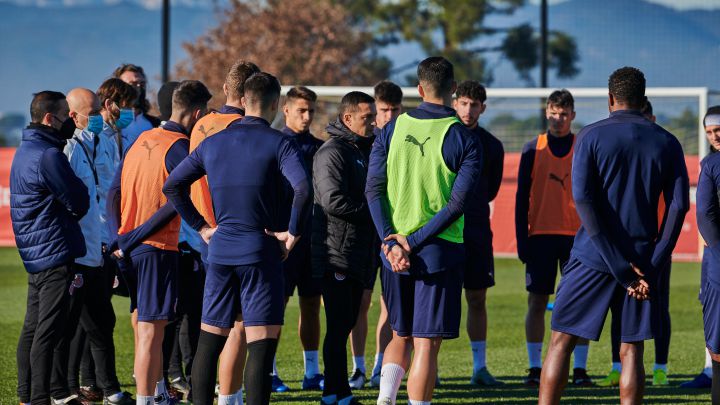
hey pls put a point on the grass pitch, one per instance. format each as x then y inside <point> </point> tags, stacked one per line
<point>507,358</point>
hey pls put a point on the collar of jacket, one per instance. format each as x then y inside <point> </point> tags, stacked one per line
<point>44,133</point>
<point>338,129</point>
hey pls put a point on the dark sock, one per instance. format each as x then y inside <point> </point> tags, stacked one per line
<point>715,382</point>
<point>205,367</point>
<point>258,370</point>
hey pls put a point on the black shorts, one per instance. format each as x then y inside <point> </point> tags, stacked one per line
<point>479,263</point>
<point>297,270</point>
<point>546,254</point>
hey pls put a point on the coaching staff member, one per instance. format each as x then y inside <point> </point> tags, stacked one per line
<point>47,200</point>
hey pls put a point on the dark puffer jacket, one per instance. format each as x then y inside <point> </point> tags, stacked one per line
<point>343,237</point>
<point>47,200</point>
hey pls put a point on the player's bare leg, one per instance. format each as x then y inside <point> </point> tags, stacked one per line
<point>358,338</point>
<point>383,336</point>
<point>232,360</point>
<point>148,356</point>
<point>395,363</point>
<point>421,378</point>
<point>557,367</point>
<point>632,377</point>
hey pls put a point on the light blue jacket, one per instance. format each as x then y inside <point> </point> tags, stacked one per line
<point>106,163</point>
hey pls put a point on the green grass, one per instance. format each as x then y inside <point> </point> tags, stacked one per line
<point>507,358</point>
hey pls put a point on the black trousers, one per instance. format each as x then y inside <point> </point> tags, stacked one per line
<point>342,305</point>
<point>50,321</point>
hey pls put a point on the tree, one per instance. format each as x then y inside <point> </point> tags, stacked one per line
<point>449,27</point>
<point>299,41</point>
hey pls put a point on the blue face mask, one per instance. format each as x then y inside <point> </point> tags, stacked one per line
<point>126,117</point>
<point>95,124</point>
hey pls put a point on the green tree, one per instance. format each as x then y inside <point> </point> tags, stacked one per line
<point>450,27</point>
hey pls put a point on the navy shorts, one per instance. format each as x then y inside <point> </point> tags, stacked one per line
<point>546,253</point>
<point>297,270</point>
<point>711,317</point>
<point>153,283</point>
<point>479,264</point>
<point>703,275</point>
<point>424,306</point>
<point>585,296</point>
<point>257,289</point>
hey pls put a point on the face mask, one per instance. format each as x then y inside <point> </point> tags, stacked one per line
<point>67,129</point>
<point>95,124</point>
<point>125,118</point>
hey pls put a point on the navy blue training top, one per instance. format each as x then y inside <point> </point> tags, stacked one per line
<point>620,166</point>
<point>131,241</point>
<point>708,215</point>
<point>463,156</point>
<point>477,211</point>
<point>245,164</point>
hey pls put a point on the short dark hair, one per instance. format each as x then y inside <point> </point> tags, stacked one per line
<point>189,95</point>
<point>561,98</point>
<point>627,85</point>
<point>352,100</point>
<point>301,92</point>
<point>128,67</point>
<point>117,91</point>
<point>43,103</point>
<point>165,99</point>
<point>647,109</point>
<point>262,89</point>
<point>388,92</point>
<point>239,72</point>
<point>714,110</point>
<point>471,89</point>
<point>436,75</point>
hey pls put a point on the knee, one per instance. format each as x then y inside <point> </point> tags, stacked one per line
<point>475,300</point>
<point>715,357</point>
<point>310,305</point>
<point>537,304</point>
<point>427,345</point>
<point>631,350</point>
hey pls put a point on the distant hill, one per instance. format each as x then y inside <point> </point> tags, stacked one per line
<point>64,47</point>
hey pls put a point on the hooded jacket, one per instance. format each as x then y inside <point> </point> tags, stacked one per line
<point>343,236</point>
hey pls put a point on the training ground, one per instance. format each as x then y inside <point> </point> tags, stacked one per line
<point>507,358</point>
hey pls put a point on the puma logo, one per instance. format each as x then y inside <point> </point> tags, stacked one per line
<point>204,131</point>
<point>559,180</point>
<point>411,139</point>
<point>149,148</point>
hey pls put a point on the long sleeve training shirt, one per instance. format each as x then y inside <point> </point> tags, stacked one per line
<point>708,216</point>
<point>463,156</point>
<point>244,164</point>
<point>620,166</point>
<point>477,210</point>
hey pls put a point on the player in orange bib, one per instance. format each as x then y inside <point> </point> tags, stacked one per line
<point>232,358</point>
<point>545,225</point>
<point>148,229</point>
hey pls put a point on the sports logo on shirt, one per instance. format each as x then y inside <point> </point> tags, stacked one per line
<point>414,141</point>
<point>204,131</point>
<point>555,177</point>
<point>149,148</point>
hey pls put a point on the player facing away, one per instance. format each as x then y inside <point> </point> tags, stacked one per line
<point>545,225</point>
<point>299,111</point>
<point>621,166</point>
<point>148,229</point>
<point>423,168</point>
<point>388,100</point>
<point>662,340</point>
<point>479,267</point>
<point>708,219</point>
<point>244,165</point>
<point>232,358</point>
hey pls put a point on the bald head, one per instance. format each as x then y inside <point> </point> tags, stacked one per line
<point>82,103</point>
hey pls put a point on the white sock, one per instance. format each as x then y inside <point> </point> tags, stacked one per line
<point>662,367</point>
<point>330,399</point>
<point>535,354</point>
<point>312,365</point>
<point>478,352</point>
<point>238,397</point>
<point>391,377</point>
<point>275,372</point>
<point>378,364</point>
<point>708,364</point>
<point>617,367</point>
<point>418,402</point>
<point>580,355</point>
<point>226,399</point>
<point>145,400</point>
<point>359,363</point>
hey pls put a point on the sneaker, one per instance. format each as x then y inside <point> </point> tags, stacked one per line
<point>71,400</point>
<point>612,379</point>
<point>217,389</point>
<point>125,399</point>
<point>374,381</point>
<point>660,377</point>
<point>166,400</point>
<point>358,380</point>
<point>317,382</point>
<point>483,378</point>
<point>174,393</point>
<point>384,401</point>
<point>701,381</point>
<point>91,393</point>
<point>278,385</point>
<point>180,384</point>
<point>581,378</point>
<point>533,378</point>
